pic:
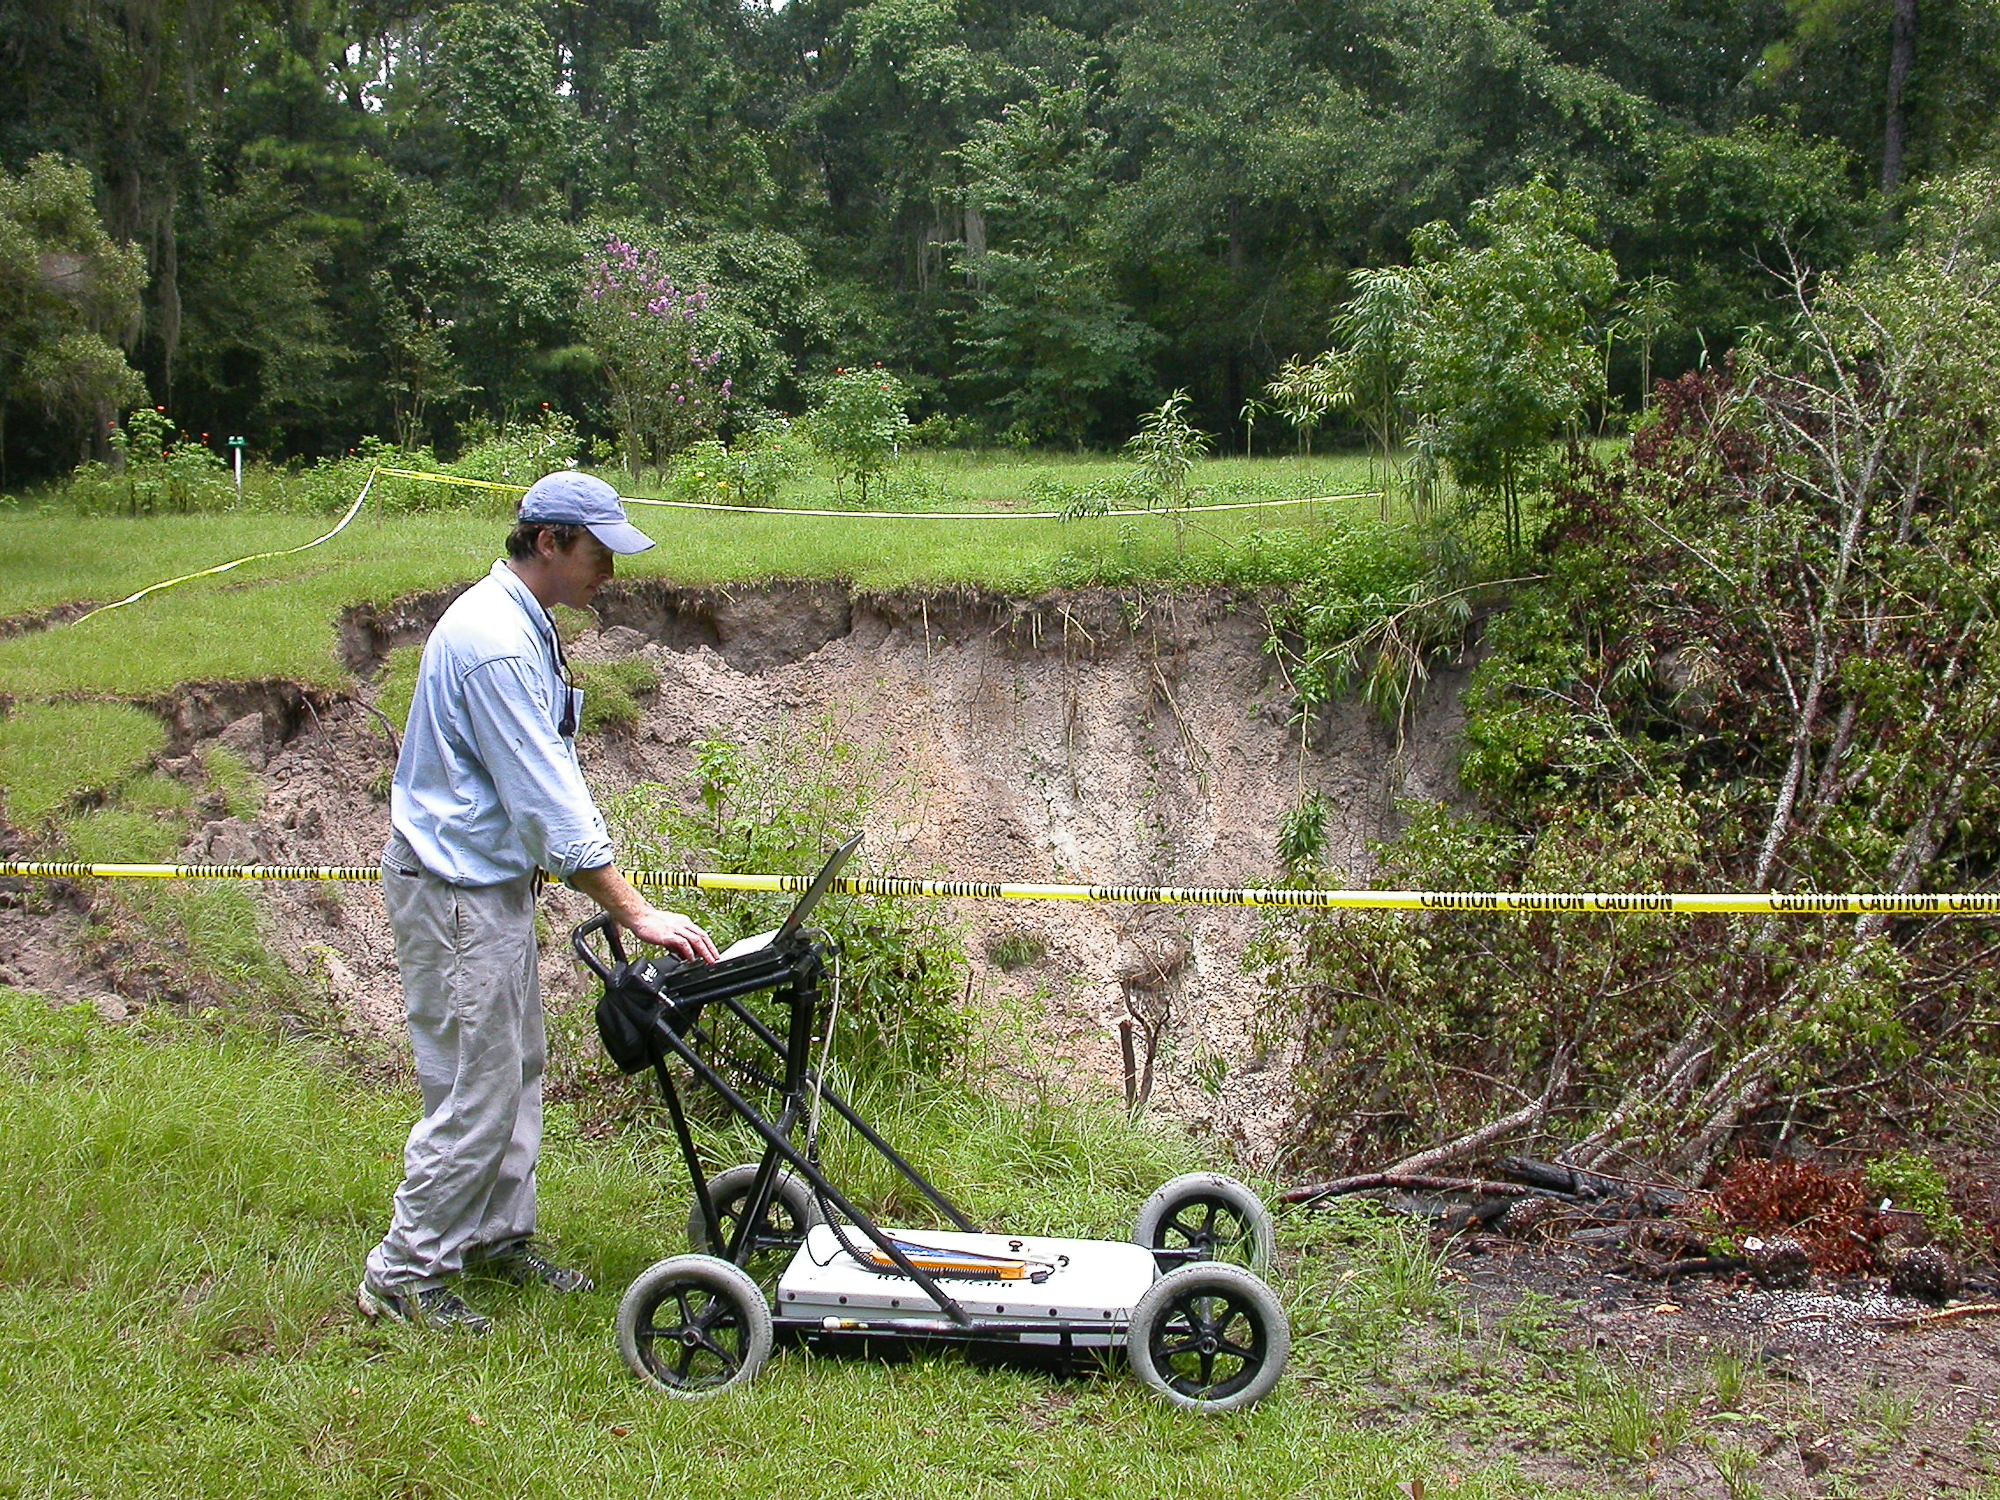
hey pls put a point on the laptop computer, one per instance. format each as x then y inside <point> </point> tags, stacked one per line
<point>795,919</point>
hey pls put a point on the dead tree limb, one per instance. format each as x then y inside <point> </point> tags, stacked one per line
<point>1413,1182</point>
<point>1472,1141</point>
<point>1943,1315</point>
<point>1563,1181</point>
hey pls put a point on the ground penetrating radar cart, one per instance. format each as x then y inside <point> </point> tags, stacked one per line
<point>1183,1300</point>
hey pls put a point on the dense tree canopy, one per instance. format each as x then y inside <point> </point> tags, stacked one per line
<point>357,216</point>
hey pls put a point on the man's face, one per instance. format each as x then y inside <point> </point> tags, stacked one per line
<point>578,571</point>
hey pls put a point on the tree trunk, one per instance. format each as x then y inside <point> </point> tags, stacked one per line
<point>1902,53</point>
<point>170,296</point>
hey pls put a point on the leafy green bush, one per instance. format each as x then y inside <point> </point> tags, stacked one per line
<point>659,354</point>
<point>1017,948</point>
<point>1910,1181</point>
<point>859,422</point>
<point>1080,501</point>
<point>1745,710</point>
<point>157,472</point>
<point>748,471</point>
<point>780,806</point>
<point>941,431</point>
<point>514,452</point>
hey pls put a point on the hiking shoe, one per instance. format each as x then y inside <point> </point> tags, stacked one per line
<point>431,1307</point>
<point>524,1265</point>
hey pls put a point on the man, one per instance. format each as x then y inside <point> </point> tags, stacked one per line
<point>487,791</point>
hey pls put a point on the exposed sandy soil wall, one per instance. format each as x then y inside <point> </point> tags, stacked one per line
<point>1100,736</point>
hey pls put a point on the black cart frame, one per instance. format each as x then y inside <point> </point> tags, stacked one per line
<point>664,1000</point>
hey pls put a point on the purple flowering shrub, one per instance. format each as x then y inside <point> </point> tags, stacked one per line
<point>659,357</point>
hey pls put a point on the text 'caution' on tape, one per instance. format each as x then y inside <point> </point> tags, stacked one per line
<point>1943,904</point>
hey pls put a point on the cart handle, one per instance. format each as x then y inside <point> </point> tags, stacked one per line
<point>606,924</point>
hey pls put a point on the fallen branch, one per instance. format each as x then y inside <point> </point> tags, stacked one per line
<point>1943,1315</point>
<point>1697,1265</point>
<point>1553,1177</point>
<point>1413,1182</point>
<point>389,729</point>
<point>1473,1140</point>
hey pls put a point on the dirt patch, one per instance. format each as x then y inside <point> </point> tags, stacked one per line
<point>1098,736</point>
<point>42,926</point>
<point>197,711</point>
<point>45,619</point>
<point>1728,1389</point>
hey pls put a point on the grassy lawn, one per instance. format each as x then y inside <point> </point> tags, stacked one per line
<point>184,1203</point>
<point>276,617</point>
<point>183,1210</point>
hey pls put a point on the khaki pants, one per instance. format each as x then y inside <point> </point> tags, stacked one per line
<point>466,956</point>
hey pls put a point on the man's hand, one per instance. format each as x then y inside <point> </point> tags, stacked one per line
<point>672,931</point>
<point>667,929</point>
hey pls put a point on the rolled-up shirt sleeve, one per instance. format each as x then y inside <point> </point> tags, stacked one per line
<point>533,768</point>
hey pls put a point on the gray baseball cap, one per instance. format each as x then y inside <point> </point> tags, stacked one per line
<point>567,498</point>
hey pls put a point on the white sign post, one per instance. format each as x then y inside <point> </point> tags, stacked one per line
<point>236,446</point>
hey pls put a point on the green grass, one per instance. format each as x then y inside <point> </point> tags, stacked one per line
<point>242,791</point>
<point>611,692</point>
<point>54,753</point>
<point>183,1212</point>
<point>198,939</point>
<point>278,617</point>
<point>396,684</point>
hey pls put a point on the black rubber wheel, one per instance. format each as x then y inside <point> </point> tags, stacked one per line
<point>694,1326</point>
<point>1209,1337</point>
<point>791,1212</point>
<point>1205,1216</point>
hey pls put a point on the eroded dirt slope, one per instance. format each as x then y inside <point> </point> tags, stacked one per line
<point>1104,737</point>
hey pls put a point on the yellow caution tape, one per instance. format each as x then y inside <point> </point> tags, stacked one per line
<point>1807,904</point>
<point>153,588</point>
<point>897,515</point>
<point>46,869</point>
<point>463,483</point>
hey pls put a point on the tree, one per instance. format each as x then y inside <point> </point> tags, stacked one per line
<point>66,292</point>
<point>1718,212</point>
<point>421,370</point>
<point>1502,356</point>
<point>1165,450</point>
<point>1911,87</point>
<point>497,67</point>
<point>861,418</point>
<point>1048,330</point>
<point>770,311</point>
<point>1247,162</point>
<point>258,349</point>
<point>1304,391</point>
<point>1795,688</point>
<point>1373,333</point>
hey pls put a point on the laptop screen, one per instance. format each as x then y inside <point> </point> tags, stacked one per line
<point>822,883</point>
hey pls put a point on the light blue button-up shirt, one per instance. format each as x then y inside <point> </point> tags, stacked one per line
<point>486,787</point>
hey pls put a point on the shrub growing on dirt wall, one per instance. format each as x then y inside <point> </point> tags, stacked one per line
<point>780,806</point>
<point>1766,657</point>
